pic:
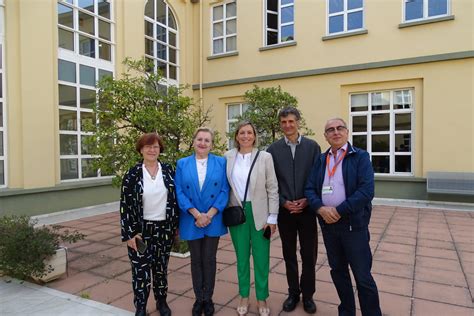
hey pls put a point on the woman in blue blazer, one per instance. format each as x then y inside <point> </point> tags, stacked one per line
<point>202,192</point>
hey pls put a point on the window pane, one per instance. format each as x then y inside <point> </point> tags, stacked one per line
<point>65,16</point>
<point>85,146</point>
<point>233,111</point>
<point>161,51</point>
<point>161,33</point>
<point>231,43</point>
<point>1,85</point>
<point>272,21</point>
<point>104,30</point>
<point>287,14</point>
<point>86,23</point>
<point>231,10</point>
<point>172,39</point>
<point>354,4</point>
<point>354,20</point>
<point>359,123</point>
<point>1,144</point>
<point>149,10</point>
<point>87,98</point>
<point>87,121</point>
<point>336,6</point>
<point>218,13</point>
<point>86,46</point>
<point>67,120</point>
<point>2,172</point>
<point>67,95</point>
<point>148,29</point>
<point>171,20</point>
<point>413,9</point>
<point>66,71</point>
<point>173,72</point>
<point>403,142</point>
<point>360,141</point>
<point>86,4</point>
<point>402,99</point>
<point>272,5</point>
<point>87,75</point>
<point>287,33</point>
<point>162,69</point>
<point>336,24</point>
<point>283,2</point>
<point>218,29</point>
<point>437,7</point>
<point>381,122</point>
<point>381,164</point>
<point>103,73</point>
<point>149,47</point>
<point>359,102</point>
<point>104,8</point>
<point>67,144</point>
<point>88,171</point>
<point>380,101</point>
<point>172,52</point>
<point>160,11</point>
<point>1,114</point>
<point>403,122</point>
<point>105,51</point>
<point>69,169</point>
<point>231,27</point>
<point>380,143</point>
<point>402,163</point>
<point>272,38</point>
<point>66,39</point>
<point>218,46</point>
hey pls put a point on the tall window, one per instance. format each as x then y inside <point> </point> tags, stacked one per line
<point>85,50</point>
<point>345,16</point>
<point>382,123</point>
<point>3,166</point>
<point>425,9</point>
<point>161,40</point>
<point>234,110</point>
<point>224,28</point>
<point>279,21</point>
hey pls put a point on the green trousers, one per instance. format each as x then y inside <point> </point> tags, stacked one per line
<point>246,240</point>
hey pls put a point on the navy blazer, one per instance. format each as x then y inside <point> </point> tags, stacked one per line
<point>214,193</point>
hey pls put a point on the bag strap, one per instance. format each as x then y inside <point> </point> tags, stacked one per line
<point>248,178</point>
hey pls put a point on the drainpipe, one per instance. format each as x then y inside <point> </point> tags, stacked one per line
<point>200,53</point>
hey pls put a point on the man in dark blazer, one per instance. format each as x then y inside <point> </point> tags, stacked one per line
<point>293,157</point>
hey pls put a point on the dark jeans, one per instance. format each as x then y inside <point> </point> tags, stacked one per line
<point>304,227</point>
<point>158,237</point>
<point>352,248</point>
<point>203,266</point>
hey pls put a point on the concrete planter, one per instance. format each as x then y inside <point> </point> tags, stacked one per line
<point>180,255</point>
<point>59,263</point>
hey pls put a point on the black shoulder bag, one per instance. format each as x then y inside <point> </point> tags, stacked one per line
<point>235,215</point>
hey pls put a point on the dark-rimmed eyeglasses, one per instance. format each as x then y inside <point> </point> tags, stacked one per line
<point>332,130</point>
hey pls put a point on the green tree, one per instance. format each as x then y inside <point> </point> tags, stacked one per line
<point>264,104</point>
<point>139,103</point>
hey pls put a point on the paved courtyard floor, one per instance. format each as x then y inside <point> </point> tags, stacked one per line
<point>423,265</point>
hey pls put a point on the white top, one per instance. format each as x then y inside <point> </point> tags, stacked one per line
<point>155,196</point>
<point>201,165</point>
<point>240,174</point>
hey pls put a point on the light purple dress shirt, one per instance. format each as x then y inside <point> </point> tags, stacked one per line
<point>336,181</point>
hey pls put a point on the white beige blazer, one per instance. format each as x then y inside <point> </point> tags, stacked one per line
<point>263,186</point>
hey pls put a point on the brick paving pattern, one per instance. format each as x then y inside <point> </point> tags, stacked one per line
<point>423,265</point>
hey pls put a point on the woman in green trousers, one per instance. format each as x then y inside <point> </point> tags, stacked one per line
<point>261,211</point>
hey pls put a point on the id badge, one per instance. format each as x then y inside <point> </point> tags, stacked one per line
<point>328,190</point>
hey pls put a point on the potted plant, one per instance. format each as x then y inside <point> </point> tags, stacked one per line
<point>28,251</point>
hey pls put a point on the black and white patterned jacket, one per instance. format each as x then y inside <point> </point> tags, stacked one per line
<point>131,203</point>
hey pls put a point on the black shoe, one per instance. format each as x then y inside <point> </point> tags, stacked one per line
<point>209,308</point>
<point>309,305</point>
<point>140,312</point>
<point>163,308</point>
<point>290,303</point>
<point>197,308</point>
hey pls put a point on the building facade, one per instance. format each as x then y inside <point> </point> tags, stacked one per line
<point>400,72</point>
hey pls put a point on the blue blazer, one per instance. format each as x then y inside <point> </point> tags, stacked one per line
<point>214,193</point>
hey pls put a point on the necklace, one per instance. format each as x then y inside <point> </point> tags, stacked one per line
<point>152,174</point>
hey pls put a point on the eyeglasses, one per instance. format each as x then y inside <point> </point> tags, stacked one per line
<point>332,130</point>
<point>154,147</point>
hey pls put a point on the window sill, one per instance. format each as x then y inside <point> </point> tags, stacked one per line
<point>347,34</point>
<point>426,21</point>
<point>398,178</point>
<point>275,46</point>
<point>223,55</point>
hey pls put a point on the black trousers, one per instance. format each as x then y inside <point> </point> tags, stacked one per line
<point>158,237</point>
<point>203,266</point>
<point>351,248</point>
<point>304,227</point>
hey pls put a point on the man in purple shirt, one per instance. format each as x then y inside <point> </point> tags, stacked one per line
<point>340,190</point>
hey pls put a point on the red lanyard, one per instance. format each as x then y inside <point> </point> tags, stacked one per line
<point>334,168</point>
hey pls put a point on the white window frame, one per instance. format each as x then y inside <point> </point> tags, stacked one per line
<point>167,81</point>
<point>242,108</point>
<point>280,24</point>
<point>425,11</point>
<point>3,98</point>
<point>224,21</point>
<point>345,12</point>
<point>391,132</point>
<point>93,62</point>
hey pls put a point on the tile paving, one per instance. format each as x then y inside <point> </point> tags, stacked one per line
<point>423,265</point>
